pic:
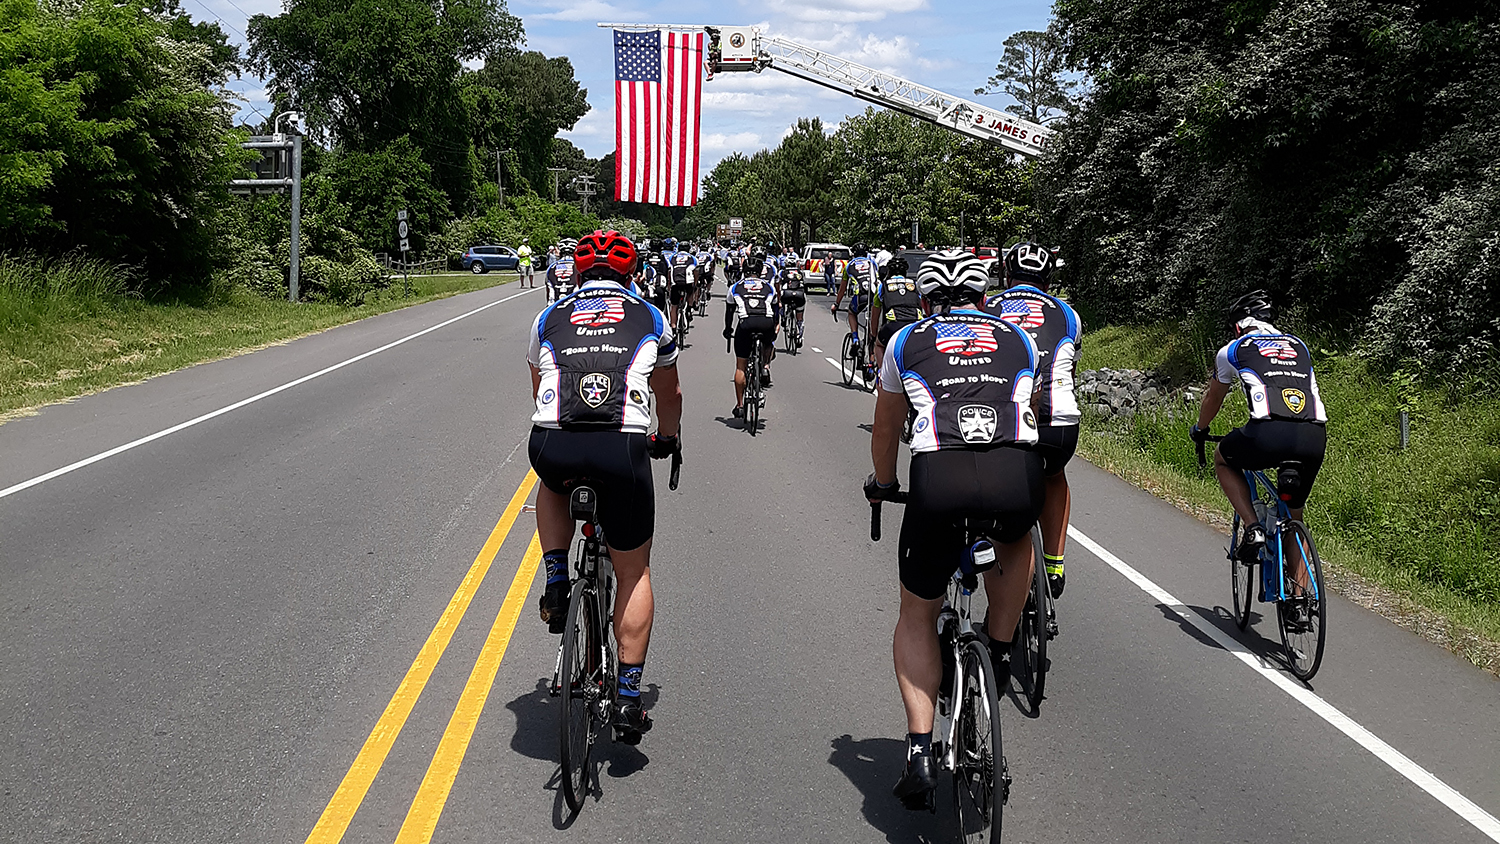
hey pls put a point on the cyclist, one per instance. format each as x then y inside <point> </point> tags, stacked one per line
<point>591,419</point>
<point>895,304</point>
<point>705,276</point>
<point>1287,416</point>
<point>524,266</point>
<point>1055,328</point>
<point>682,266</point>
<point>559,277</point>
<point>755,300</point>
<point>859,274</point>
<point>794,292</point>
<point>971,459</point>
<point>656,278</point>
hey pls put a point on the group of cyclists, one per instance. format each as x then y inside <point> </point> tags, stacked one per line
<point>985,381</point>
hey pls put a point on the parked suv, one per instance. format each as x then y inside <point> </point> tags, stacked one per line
<point>814,256</point>
<point>482,259</point>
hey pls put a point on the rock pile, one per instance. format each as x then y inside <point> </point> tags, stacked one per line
<point>1125,392</point>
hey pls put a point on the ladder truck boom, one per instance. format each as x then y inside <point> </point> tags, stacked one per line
<point>746,48</point>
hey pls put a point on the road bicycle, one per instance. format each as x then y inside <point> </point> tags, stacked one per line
<point>705,286</point>
<point>791,329</point>
<point>858,351</point>
<point>755,390</point>
<point>966,739</point>
<point>587,667</point>
<point>683,322</point>
<point>1038,626</point>
<point>1291,571</point>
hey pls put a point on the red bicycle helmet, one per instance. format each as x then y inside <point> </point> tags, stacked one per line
<point>602,251</point>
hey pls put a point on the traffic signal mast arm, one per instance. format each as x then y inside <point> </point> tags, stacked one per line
<point>744,48</point>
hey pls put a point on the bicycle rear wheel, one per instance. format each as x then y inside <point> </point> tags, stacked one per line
<point>585,687</point>
<point>789,332</point>
<point>1031,635</point>
<point>1241,577</point>
<point>981,783</point>
<point>752,391</point>
<point>1303,615</point>
<point>847,361</point>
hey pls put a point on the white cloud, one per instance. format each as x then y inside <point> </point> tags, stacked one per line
<point>839,11</point>
<point>588,10</point>
<point>598,123</point>
<point>720,142</point>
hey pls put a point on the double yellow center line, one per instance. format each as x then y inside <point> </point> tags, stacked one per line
<point>422,817</point>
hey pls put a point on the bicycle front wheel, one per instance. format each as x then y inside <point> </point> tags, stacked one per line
<point>585,686</point>
<point>1031,637</point>
<point>1241,577</point>
<point>981,783</point>
<point>1303,613</point>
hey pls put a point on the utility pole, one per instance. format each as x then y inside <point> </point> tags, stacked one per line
<point>585,187</point>
<point>555,171</point>
<point>293,145</point>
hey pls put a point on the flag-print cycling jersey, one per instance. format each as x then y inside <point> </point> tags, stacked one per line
<point>683,264</point>
<point>969,376</point>
<point>596,351</point>
<point>1054,327</point>
<point>560,277</point>
<point>1276,372</point>
<point>755,297</point>
<point>862,274</point>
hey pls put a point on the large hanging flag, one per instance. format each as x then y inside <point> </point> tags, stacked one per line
<point>658,100</point>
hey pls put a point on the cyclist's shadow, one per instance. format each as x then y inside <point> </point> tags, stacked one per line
<point>537,715</point>
<point>873,765</point>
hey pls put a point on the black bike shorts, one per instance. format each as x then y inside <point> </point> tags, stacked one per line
<point>615,464</point>
<point>793,300</point>
<point>1003,483</point>
<point>1056,444</point>
<point>750,328</point>
<point>888,330</point>
<point>1268,443</point>
<point>680,293</point>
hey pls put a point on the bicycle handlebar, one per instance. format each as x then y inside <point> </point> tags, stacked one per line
<point>676,462</point>
<point>1211,438</point>
<point>896,498</point>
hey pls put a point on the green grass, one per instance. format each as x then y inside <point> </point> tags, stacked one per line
<point>71,330</point>
<point>1420,522</point>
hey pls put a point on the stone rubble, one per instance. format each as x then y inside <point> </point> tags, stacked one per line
<point>1122,393</point>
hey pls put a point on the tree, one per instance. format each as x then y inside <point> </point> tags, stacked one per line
<point>799,178</point>
<point>1032,71</point>
<point>519,101</point>
<point>895,174</point>
<point>114,136</point>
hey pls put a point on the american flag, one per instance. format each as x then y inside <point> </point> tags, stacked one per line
<point>600,310</point>
<point>961,338</point>
<point>658,101</point>
<point>1026,313</point>
<point>1276,349</point>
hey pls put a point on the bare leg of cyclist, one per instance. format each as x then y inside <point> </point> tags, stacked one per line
<point>635,605</point>
<point>739,381</point>
<point>1294,555</point>
<point>919,665</point>
<point>1232,481</point>
<point>554,521</point>
<point>1055,514</point>
<point>1006,586</point>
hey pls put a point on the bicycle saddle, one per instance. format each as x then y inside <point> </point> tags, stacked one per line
<point>1288,479</point>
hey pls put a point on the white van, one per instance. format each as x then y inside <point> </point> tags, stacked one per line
<point>814,259</point>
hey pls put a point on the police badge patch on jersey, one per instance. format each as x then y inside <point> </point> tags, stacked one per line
<point>1295,400</point>
<point>977,423</point>
<point>594,388</point>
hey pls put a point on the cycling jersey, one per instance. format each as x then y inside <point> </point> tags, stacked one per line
<point>969,377</point>
<point>682,265</point>
<point>861,273</point>
<point>754,297</point>
<point>596,351</point>
<point>1276,372</point>
<point>560,275</point>
<point>898,300</point>
<point>1055,328</point>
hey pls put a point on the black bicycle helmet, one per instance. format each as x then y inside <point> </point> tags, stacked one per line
<point>896,266</point>
<point>1029,260</point>
<point>1255,305</point>
<point>755,261</point>
<point>860,250</point>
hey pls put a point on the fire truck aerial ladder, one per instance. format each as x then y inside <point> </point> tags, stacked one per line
<point>745,48</point>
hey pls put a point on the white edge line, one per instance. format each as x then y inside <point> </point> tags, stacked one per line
<point>818,350</point>
<point>1398,761</point>
<point>89,461</point>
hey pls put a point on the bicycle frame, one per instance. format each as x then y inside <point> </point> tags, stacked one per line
<point>963,588</point>
<point>1273,556</point>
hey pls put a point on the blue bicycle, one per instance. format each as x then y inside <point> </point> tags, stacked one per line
<point>1291,573</point>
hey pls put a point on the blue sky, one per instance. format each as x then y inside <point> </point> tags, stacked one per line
<point>952,45</point>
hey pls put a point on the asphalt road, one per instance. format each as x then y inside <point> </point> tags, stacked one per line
<point>289,622</point>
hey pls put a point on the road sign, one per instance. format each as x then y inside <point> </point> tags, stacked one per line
<point>401,215</point>
<point>402,230</point>
<point>736,224</point>
<point>405,244</point>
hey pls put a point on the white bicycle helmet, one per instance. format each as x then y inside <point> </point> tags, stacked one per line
<point>567,246</point>
<point>952,275</point>
<point>1030,259</point>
